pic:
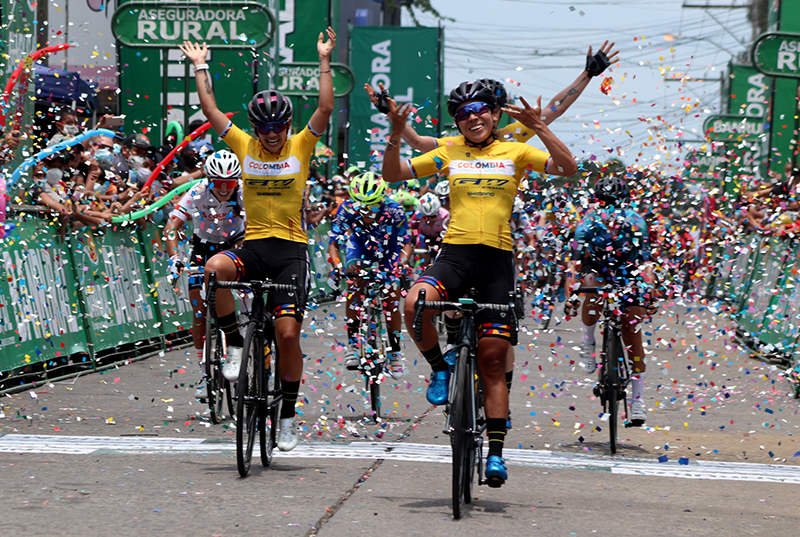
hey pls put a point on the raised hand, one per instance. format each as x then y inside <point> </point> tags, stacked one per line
<point>195,52</point>
<point>597,63</point>
<point>325,48</point>
<point>528,115</point>
<point>398,115</point>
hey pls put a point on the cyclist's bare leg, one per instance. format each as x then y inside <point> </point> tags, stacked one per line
<point>226,271</point>
<point>632,336</point>
<point>430,337</point>
<point>392,311</point>
<point>492,353</point>
<point>593,305</point>
<point>355,289</point>
<point>198,318</point>
<point>287,338</point>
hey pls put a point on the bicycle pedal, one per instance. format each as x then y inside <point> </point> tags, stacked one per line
<point>597,391</point>
<point>495,482</point>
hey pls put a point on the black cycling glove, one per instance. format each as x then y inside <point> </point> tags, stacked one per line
<point>595,65</point>
<point>383,102</point>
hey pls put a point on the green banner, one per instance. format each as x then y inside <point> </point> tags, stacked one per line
<point>777,54</point>
<point>119,305</point>
<point>708,166</point>
<point>302,78</point>
<point>220,24</point>
<point>407,62</point>
<point>40,317</point>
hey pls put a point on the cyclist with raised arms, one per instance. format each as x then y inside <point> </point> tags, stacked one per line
<point>612,245</point>
<point>374,230</point>
<point>429,225</point>
<point>275,170</point>
<point>484,175</point>
<point>596,64</point>
<point>216,209</point>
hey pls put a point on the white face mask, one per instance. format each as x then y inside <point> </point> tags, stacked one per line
<point>135,162</point>
<point>53,176</point>
<point>72,130</point>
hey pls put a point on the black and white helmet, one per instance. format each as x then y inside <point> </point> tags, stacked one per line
<point>442,188</point>
<point>611,190</point>
<point>223,165</point>
<point>470,91</point>
<point>269,106</point>
<point>498,89</point>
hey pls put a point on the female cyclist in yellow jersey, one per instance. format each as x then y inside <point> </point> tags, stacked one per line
<point>484,175</point>
<point>274,173</point>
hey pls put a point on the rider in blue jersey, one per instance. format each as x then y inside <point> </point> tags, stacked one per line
<point>374,230</point>
<point>612,245</point>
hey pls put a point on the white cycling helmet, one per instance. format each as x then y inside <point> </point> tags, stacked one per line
<point>429,205</point>
<point>223,165</point>
<point>442,188</point>
<point>519,205</point>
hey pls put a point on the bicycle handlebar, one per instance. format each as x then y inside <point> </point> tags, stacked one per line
<point>421,305</point>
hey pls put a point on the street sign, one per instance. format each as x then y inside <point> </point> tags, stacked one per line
<point>302,78</point>
<point>732,128</point>
<point>221,24</point>
<point>777,54</point>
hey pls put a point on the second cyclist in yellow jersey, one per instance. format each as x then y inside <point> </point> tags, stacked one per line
<point>483,184</point>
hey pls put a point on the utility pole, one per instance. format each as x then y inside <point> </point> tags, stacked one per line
<point>392,10</point>
<point>42,28</point>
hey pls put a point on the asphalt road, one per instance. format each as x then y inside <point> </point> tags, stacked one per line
<point>129,452</point>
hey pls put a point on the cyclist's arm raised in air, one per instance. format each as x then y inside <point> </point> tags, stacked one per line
<point>561,161</point>
<point>196,53</point>
<point>412,138</point>
<point>393,171</point>
<point>319,120</point>
<point>595,65</point>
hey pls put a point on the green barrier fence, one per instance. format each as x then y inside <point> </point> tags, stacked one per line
<point>72,301</point>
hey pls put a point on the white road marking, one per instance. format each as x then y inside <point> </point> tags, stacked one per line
<point>408,452</point>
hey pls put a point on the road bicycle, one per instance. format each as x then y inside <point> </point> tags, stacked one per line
<point>466,421</point>
<point>258,388</point>
<point>219,389</point>
<point>613,374</point>
<point>373,345</point>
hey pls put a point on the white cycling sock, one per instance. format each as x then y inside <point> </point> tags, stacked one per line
<point>588,333</point>
<point>637,386</point>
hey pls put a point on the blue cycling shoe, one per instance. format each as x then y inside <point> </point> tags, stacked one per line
<point>450,355</point>
<point>438,387</point>
<point>496,473</point>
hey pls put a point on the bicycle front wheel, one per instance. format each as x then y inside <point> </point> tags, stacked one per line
<point>247,404</point>
<point>459,423</point>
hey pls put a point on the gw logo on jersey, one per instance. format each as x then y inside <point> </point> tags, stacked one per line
<point>481,182</point>
<point>270,183</point>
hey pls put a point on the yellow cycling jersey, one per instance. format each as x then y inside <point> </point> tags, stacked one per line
<point>483,183</point>
<point>513,132</point>
<point>273,184</point>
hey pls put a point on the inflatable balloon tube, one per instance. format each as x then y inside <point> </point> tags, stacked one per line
<point>15,75</point>
<point>43,154</point>
<point>177,127</point>
<point>155,205</point>
<point>163,164</point>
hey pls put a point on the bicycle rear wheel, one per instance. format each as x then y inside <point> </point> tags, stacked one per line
<point>247,404</point>
<point>612,350</point>
<point>459,415</point>
<point>268,419</point>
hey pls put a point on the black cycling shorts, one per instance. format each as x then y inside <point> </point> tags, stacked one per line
<point>277,260</point>
<point>490,271</point>
<point>632,295</point>
<point>202,251</point>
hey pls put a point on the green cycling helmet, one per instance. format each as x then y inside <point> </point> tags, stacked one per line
<point>368,188</point>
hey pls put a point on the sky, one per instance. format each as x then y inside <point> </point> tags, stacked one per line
<point>542,46</point>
